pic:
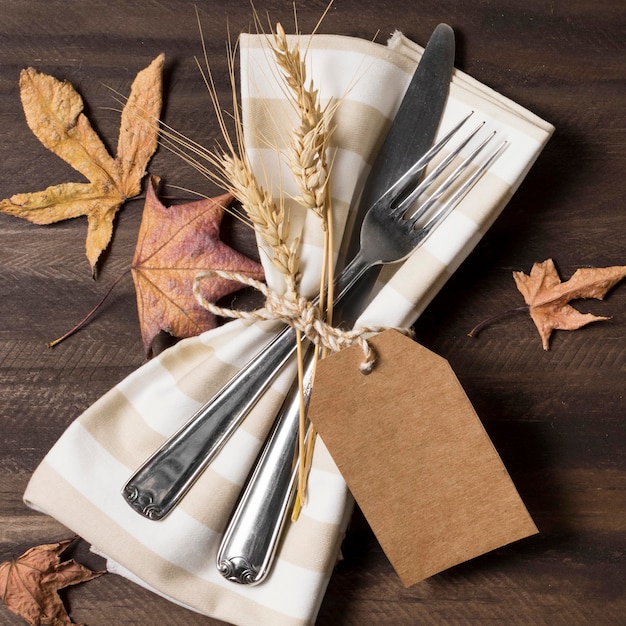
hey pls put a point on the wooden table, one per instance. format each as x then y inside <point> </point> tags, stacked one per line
<point>557,417</point>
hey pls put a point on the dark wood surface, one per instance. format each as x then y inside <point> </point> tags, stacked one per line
<point>557,417</point>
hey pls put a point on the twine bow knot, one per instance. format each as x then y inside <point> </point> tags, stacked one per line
<point>299,313</point>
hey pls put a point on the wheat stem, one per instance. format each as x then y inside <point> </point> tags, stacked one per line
<point>309,165</point>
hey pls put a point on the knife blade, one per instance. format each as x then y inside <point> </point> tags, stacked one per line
<point>412,132</point>
<point>252,536</point>
<point>414,126</point>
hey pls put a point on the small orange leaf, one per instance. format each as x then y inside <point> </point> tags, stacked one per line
<point>548,298</point>
<point>54,112</point>
<point>29,584</point>
<point>174,245</point>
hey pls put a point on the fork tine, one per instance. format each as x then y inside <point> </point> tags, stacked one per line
<point>458,195</point>
<point>449,181</point>
<point>411,176</point>
<point>407,201</point>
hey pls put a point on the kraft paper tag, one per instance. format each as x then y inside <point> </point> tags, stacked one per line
<point>416,457</point>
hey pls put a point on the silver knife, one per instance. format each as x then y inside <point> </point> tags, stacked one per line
<point>251,539</point>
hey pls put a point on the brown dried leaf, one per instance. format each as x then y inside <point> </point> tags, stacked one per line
<point>54,112</point>
<point>174,244</point>
<point>548,298</point>
<point>30,583</point>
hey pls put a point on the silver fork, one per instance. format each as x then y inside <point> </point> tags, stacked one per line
<point>253,533</point>
<point>386,237</point>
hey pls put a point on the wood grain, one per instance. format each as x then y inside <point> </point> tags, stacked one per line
<point>557,417</point>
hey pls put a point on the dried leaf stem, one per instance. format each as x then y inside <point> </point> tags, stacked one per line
<point>494,318</point>
<point>89,315</point>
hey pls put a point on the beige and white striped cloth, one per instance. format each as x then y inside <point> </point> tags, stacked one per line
<point>79,481</point>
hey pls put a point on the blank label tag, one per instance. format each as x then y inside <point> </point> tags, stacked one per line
<point>416,457</point>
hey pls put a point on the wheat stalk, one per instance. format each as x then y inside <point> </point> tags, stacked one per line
<point>267,217</point>
<point>310,139</point>
<point>309,164</point>
<point>231,168</point>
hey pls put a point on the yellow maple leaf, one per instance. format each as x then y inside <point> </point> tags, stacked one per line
<point>54,112</point>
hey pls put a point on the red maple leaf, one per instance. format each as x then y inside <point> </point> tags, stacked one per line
<point>174,245</point>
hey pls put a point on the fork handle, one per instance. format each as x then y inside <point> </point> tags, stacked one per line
<point>164,478</point>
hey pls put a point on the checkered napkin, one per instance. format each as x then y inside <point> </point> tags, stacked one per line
<point>80,479</point>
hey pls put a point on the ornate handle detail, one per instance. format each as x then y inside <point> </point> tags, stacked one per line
<point>238,570</point>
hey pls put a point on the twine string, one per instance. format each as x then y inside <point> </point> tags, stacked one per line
<point>299,313</point>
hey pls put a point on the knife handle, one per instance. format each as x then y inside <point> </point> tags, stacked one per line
<point>251,539</point>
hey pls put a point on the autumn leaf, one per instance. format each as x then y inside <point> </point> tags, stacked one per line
<point>30,583</point>
<point>54,112</point>
<point>174,244</point>
<point>548,298</point>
